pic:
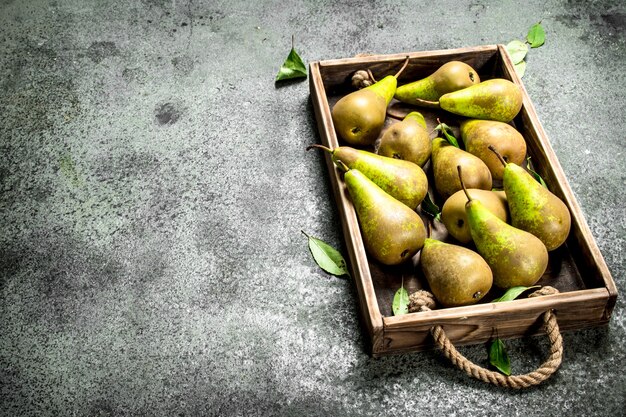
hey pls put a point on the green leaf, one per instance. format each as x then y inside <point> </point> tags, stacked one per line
<point>327,257</point>
<point>446,131</point>
<point>400,303</point>
<point>498,356</point>
<point>512,293</point>
<point>536,35</point>
<point>534,174</point>
<point>520,68</point>
<point>293,67</point>
<point>431,208</point>
<point>518,50</point>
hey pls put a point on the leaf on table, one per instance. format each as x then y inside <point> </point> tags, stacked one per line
<point>431,208</point>
<point>513,292</point>
<point>327,257</point>
<point>520,68</point>
<point>498,356</point>
<point>534,173</point>
<point>293,67</point>
<point>536,35</point>
<point>447,133</point>
<point>518,50</point>
<point>400,303</point>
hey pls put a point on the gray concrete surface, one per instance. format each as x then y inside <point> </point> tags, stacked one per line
<point>154,186</point>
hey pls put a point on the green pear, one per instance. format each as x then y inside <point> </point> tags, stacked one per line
<point>495,99</point>
<point>457,276</point>
<point>478,135</point>
<point>454,217</point>
<point>407,140</point>
<point>360,116</point>
<point>533,207</point>
<point>516,257</point>
<point>403,180</point>
<point>451,76</point>
<point>445,158</point>
<point>392,232</point>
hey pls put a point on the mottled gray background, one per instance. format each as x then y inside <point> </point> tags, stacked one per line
<point>154,186</point>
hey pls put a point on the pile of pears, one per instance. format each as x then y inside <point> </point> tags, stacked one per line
<point>498,238</point>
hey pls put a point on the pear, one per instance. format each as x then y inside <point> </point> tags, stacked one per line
<point>392,232</point>
<point>454,217</point>
<point>457,276</point>
<point>516,257</point>
<point>495,99</point>
<point>478,135</point>
<point>360,116</point>
<point>445,158</point>
<point>407,140</point>
<point>403,180</point>
<point>533,207</point>
<point>451,76</point>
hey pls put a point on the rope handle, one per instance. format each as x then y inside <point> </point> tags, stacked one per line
<point>424,301</point>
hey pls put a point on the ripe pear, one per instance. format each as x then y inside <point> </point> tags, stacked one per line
<point>403,180</point>
<point>454,217</point>
<point>407,140</point>
<point>533,207</point>
<point>360,116</point>
<point>451,76</point>
<point>457,276</point>
<point>392,232</point>
<point>516,257</point>
<point>478,135</point>
<point>495,99</point>
<point>445,158</point>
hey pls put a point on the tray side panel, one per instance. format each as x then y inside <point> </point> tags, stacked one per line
<point>350,227</point>
<point>476,324</point>
<point>581,241</point>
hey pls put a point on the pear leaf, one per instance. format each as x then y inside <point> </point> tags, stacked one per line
<point>498,356</point>
<point>536,35</point>
<point>431,208</point>
<point>520,68</point>
<point>446,131</point>
<point>512,293</point>
<point>534,173</point>
<point>327,257</point>
<point>518,50</point>
<point>400,303</point>
<point>293,67</point>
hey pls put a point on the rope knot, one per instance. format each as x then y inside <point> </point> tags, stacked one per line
<point>421,300</point>
<point>361,79</point>
<point>545,290</point>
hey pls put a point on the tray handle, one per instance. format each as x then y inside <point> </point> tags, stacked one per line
<point>424,301</point>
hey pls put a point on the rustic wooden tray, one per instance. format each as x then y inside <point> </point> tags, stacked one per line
<point>577,269</point>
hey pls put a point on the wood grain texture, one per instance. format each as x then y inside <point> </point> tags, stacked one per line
<point>577,269</point>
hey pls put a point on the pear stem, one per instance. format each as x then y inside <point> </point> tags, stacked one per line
<point>343,166</point>
<point>493,149</point>
<point>369,72</point>
<point>315,145</point>
<point>426,103</point>
<point>406,62</point>
<point>458,167</point>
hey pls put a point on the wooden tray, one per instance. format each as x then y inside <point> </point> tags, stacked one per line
<point>577,269</point>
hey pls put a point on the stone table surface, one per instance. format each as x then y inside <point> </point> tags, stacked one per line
<point>155,186</point>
